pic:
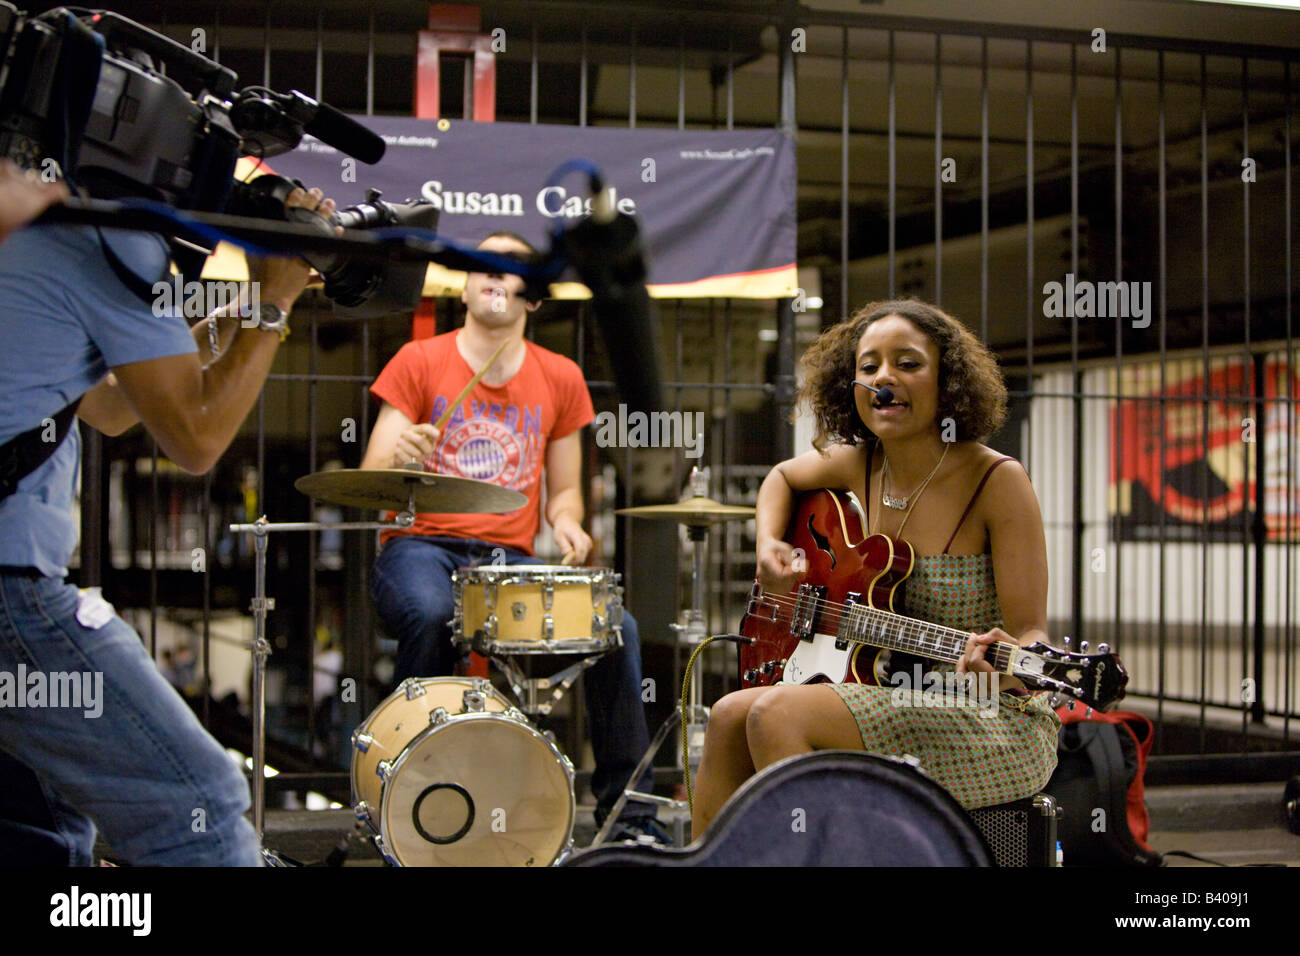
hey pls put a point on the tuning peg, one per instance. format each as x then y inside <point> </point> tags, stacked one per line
<point>1066,641</point>
<point>1087,714</point>
<point>1083,646</point>
<point>1103,648</point>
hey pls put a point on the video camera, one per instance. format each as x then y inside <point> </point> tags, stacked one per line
<point>121,111</point>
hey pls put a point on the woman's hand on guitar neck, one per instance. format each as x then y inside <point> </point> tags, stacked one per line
<point>972,659</point>
<point>779,566</point>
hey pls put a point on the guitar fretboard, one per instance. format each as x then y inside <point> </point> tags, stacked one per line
<point>862,624</point>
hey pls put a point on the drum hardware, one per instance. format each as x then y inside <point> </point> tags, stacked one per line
<point>698,513</point>
<point>478,785</point>
<point>543,610</point>
<point>532,692</point>
<point>402,490</point>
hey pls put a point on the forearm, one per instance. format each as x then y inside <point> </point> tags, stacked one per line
<point>566,503</point>
<point>772,510</point>
<point>228,388</point>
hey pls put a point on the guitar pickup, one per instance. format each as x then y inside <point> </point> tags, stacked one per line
<point>846,618</point>
<point>804,618</point>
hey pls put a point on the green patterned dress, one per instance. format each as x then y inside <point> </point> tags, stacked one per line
<point>982,755</point>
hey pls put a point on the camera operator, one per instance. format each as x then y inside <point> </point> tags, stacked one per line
<point>126,753</point>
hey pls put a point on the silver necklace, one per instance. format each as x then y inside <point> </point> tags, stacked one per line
<point>894,501</point>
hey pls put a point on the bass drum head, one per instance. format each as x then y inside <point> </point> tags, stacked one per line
<point>478,790</point>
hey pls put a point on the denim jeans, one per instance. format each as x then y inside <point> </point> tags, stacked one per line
<point>412,590</point>
<point>143,769</point>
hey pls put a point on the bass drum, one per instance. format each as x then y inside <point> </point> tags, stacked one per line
<point>447,773</point>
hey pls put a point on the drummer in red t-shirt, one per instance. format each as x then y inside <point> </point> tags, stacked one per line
<point>519,422</point>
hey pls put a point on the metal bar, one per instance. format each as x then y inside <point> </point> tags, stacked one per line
<point>681,81</point>
<point>370,64</point>
<point>1119,341</point>
<point>1290,539</point>
<point>731,81</point>
<point>153,551</point>
<point>984,189</point>
<point>893,169</point>
<point>205,641</point>
<point>582,75</point>
<point>266,48</point>
<point>1205,408</point>
<point>631,81</point>
<point>320,55</point>
<point>844,174</point>
<point>1260,531</point>
<point>1076,610</point>
<point>1162,626</point>
<point>312,540</point>
<point>1030,292</point>
<point>938,166</point>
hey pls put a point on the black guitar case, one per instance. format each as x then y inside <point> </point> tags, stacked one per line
<point>831,808</point>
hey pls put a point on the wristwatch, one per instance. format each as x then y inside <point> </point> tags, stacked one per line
<point>272,318</point>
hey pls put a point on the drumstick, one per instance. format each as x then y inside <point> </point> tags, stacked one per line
<point>451,409</point>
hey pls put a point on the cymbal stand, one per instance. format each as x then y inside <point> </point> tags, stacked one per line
<point>691,633</point>
<point>261,648</point>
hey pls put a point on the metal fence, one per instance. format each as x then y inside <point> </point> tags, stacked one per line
<point>963,163</point>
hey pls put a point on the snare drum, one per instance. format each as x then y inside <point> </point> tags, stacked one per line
<point>447,773</point>
<point>537,609</point>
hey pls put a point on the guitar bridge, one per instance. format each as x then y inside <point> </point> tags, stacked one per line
<point>804,617</point>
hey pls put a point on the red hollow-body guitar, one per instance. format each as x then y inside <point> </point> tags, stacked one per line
<point>842,622</point>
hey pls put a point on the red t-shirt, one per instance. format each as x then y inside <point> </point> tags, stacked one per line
<point>499,433</point>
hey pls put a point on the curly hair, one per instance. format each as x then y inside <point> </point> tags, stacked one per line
<point>971,390</point>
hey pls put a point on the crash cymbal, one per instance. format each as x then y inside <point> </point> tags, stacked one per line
<point>390,488</point>
<point>693,512</point>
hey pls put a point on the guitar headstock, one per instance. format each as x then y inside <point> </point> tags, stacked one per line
<point>1097,679</point>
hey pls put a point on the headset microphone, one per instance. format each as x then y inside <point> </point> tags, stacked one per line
<point>884,395</point>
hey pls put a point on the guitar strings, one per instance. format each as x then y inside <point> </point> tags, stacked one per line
<point>835,612</point>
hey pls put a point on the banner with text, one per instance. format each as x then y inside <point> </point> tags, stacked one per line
<point>716,209</point>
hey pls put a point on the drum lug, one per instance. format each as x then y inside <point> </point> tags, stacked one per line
<point>490,627</point>
<point>362,811</point>
<point>383,770</point>
<point>383,851</point>
<point>413,688</point>
<point>490,595</point>
<point>439,715</point>
<point>548,594</point>
<point>473,702</point>
<point>597,624</point>
<point>362,740</point>
<point>548,627</point>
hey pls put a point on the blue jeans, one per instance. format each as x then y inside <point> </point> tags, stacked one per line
<point>143,769</point>
<point>412,590</point>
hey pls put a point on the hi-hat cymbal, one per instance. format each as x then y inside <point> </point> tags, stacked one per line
<point>391,488</point>
<point>694,512</point>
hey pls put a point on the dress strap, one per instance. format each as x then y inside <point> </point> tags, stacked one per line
<point>971,503</point>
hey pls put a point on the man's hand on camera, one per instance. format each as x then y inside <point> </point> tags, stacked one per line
<point>23,197</point>
<point>283,278</point>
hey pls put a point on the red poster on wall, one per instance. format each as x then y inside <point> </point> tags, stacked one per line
<point>1184,455</point>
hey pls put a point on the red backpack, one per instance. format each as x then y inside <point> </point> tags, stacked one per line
<point>1101,763</point>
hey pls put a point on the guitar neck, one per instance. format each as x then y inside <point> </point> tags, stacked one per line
<point>863,624</point>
